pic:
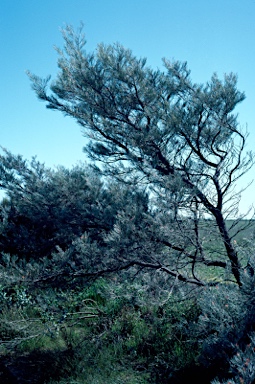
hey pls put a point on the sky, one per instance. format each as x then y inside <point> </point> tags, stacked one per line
<point>212,36</point>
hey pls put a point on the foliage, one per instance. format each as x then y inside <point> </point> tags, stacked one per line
<point>46,208</point>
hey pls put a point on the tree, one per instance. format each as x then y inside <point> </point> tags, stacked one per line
<point>157,128</point>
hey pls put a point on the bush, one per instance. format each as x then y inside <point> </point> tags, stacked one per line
<point>227,325</point>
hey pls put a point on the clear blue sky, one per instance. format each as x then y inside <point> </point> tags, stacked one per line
<point>211,35</point>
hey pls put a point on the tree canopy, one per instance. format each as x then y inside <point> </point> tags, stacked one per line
<point>156,128</point>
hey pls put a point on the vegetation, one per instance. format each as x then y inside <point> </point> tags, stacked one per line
<point>137,269</point>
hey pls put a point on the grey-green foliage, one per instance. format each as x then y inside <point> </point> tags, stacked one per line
<point>160,120</point>
<point>226,329</point>
<point>45,208</point>
<point>157,128</point>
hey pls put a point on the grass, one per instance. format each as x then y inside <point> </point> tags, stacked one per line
<point>108,332</point>
<point>132,340</point>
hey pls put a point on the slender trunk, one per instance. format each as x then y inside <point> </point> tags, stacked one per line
<point>164,168</point>
<point>231,252</point>
<point>221,224</point>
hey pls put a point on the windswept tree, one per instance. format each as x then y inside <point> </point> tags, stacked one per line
<point>157,128</point>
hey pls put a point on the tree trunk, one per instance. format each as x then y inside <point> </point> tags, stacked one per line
<point>231,252</point>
